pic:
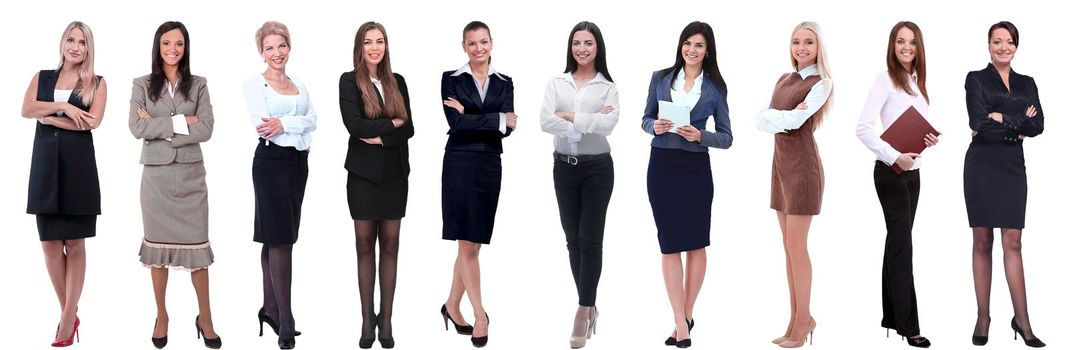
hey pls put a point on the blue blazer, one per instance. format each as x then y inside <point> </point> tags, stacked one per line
<point>478,128</point>
<point>711,103</point>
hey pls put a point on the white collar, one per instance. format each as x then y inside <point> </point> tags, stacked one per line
<point>808,71</point>
<point>467,69</point>
<point>569,77</point>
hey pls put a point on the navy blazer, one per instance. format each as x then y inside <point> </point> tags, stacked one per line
<point>366,160</point>
<point>711,103</point>
<point>478,128</point>
<point>986,93</point>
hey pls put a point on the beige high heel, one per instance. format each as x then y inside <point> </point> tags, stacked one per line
<point>796,343</point>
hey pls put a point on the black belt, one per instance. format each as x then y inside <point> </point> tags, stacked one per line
<point>580,159</point>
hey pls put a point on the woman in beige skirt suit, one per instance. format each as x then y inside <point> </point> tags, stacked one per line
<point>171,111</point>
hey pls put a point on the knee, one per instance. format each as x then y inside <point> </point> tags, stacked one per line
<point>468,250</point>
<point>983,244</point>
<point>1012,244</point>
<point>389,247</point>
<point>52,249</point>
<point>365,244</point>
<point>75,247</point>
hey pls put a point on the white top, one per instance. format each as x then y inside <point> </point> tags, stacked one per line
<point>61,96</point>
<point>295,111</point>
<point>378,85</point>
<point>680,96</point>
<point>887,103</point>
<point>587,133</point>
<point>483,88</point>
<point>776,121</point>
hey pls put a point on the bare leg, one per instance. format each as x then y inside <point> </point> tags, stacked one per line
<point>75,280</point>
<point>782,219</point>
<point>1011,239</point>
<point>673,280</point>
<point>472,282</point>
<point>203,301</point>
<point>796,243</point>
<point>389,232</point>
<point>159,289</point>
<point>55,260</point>
<point>982,267</point>
<point>696,265</point>
<point>455,295</point>
<point>366,240</point>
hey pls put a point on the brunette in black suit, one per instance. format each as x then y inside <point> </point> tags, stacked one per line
<point>1004,109</point>
<point>479,105</point>
<point>377,112</point>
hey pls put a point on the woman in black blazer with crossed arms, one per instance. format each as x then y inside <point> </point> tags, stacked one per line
<point>377,112</point>
<point>479,105</point>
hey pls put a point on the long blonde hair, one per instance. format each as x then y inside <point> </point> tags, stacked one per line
<point>87,82</point>
<point>821,63</point>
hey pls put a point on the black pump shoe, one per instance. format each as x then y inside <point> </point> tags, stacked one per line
<point>674,342</point>
<point>1032,342</point>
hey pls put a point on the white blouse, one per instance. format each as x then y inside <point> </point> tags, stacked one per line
<point>886,103</point>
<point>295,111</point>
<point>587,134</point>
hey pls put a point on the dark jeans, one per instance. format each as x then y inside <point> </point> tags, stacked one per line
<point>583,191</point>
<point>899,195</point>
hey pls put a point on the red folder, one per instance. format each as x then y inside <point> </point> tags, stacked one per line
<point>907,133</point>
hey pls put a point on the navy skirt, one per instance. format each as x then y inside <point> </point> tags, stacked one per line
<point>470,189</point>
<point>994,185</point>
<point>680,190</point>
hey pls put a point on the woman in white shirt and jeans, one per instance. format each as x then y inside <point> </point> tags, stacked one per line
<point>581,109</point>
<point>895,91</point>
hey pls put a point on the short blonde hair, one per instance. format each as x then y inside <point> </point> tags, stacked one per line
<point>271,28</point>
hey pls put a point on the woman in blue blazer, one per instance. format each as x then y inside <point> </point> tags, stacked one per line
<point>479,106</point>
<point>680,186</point>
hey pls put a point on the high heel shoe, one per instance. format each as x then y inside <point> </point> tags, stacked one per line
<point>366,343</point>
<point>671,341</point>
<point>286,343</point>
<point>481,341</point>
<point>1032,342</point>
<point>215,343</point>
<point>980,340</point>
<point>386,343</point>
<point>70,340</point>
<point>918,341</point>
<point>264,318</point>
<point>461,329</point>
<point>796,343</point>
<point>578,340</point>
<point>160,342</point>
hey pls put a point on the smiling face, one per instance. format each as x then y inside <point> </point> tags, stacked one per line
<point>275,51</point>
<point>583,48</point>
<point>172,47</point>
<point>373,47</point>
<point>804,47</point>
<point>905,47</point>
<point>694,50</point>
<point>1001,47</point>
<point>74,47</point>
<point>478,46</point>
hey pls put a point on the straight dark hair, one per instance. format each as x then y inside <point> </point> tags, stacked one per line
<point>600,63</point>
<point>475,25</point>
<point>156,79</point>
<point>1012,30</point>
<point>897,73</point>
<point>711,62</point>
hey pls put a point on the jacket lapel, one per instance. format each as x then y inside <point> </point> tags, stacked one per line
<point>469,88</point>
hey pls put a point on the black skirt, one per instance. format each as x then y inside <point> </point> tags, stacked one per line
<point>387,200</point>
<point>994,185</point>
<point>60,227</point>
<point>470,190</point>
<point>680,190</point>
<point>64,188</point>
<point>279,176</point>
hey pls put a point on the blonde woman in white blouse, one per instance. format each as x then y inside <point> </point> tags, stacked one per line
<point>581,109</point>
<point>283,118</point>
<point>901,87</point>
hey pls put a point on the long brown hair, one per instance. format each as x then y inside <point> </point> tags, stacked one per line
<point>394,101</point>
<point>897,73</point>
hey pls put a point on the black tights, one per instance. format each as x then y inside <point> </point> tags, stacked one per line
<point>277,262</point>
<point>367,232</point>
<point>982,264</point>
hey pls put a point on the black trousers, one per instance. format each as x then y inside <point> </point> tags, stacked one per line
<point>899,196</point>
<point>583,190</point>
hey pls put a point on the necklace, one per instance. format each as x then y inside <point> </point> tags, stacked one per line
<point>278,82</point>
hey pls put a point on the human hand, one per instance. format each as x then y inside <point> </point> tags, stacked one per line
<point>397,122</point>
<point>802,105</point>
<point>661,126</point>
<point>270,127</point>
<point>377,140</point>
<point>568,116</point>
<point>930,140</point>
<point>191,119</point>
<point>999,118</point>
<point>690,133</point>
<point>907,160</point>
<point>451,102</point>
<point>511,120</point>
<point>607,109</point>
<point>1031,112</point>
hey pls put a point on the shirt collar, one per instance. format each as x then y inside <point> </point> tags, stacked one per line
<point>467,69</point>
<point>568,77</point>
<point>808,71</point>
<point>679,81</point>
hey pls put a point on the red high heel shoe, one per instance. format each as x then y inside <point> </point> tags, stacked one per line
<point>70,340</point>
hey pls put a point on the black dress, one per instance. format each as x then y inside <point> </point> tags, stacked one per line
<point>64,188</point>
<point>994,171</point>
<point>377,174</point>
<point>471,173</point>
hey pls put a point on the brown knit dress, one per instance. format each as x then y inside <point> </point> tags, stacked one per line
<point>796,170</point>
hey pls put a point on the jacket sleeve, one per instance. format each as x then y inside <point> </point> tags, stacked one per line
<point>351,102</point>
<point>201,131</point>
<point>153,128</point>
<point>407,130</point>
<point>482,124</point>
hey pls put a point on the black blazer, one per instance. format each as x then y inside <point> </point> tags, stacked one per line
<point>63,175</point>
<point>986,93</point>
<point>478,128</point>
<point>366,160</point>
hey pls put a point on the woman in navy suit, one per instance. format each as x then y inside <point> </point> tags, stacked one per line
<point>479,106</point>
<point>680,186</point>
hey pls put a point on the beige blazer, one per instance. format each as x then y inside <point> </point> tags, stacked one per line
<point>155,131</point>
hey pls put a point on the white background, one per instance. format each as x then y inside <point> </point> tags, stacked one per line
<point>525,276</point>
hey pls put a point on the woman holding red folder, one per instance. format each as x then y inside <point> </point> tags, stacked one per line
<point>1004,108</point>
<point>901,87</point>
